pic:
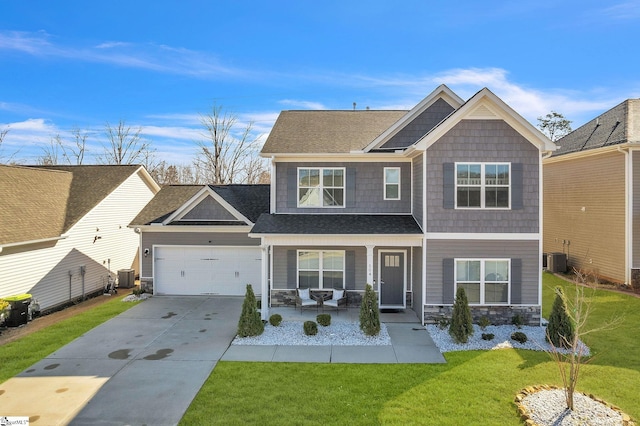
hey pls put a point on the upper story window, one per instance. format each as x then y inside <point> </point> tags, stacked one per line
<point>321,187</point>
<point>485,281</point>
<point>392,183</point>
<point>483,185</point>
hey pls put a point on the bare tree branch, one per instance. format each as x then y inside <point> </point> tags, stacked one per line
<point>224,158</point>
<point>124,145</point>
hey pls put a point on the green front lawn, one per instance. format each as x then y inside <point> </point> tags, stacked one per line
<point>474,387</point>
<point>21,354</point>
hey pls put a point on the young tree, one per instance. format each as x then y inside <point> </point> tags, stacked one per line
<point>227,154</point>
<point>561,329</point>
<point>369,313</point>
<point>3,133</point>
<point>250,323</point>
<point>124,145</point>
<point>461,324</point>
<point>554,125</point>
<point>570,361</point>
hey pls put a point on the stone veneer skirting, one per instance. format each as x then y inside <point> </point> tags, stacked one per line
<point>497,315</point>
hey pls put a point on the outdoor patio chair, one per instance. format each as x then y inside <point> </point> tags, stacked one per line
<point>339,298</point>
<point>304,298</point>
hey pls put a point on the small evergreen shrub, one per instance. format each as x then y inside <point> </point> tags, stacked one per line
<point>310,328</point>
<point>517,320</point>
<point>519,337</point>
<point>443,323</point>
<point>137,291</point>
<point>461,327</point>
<point>484,322</point>
<point>324,319</point>
<point>275,320</point>
<point>250,323</point>
<point>561,329</point>
<point>487,336</point>
<point>369,313</point>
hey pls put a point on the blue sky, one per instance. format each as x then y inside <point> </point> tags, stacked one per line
<point>160,64</point>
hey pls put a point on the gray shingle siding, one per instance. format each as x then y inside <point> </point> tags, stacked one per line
<point>420,126</point>
<point>440,252</point>
<point>209,209</point>
<point>482,141</point>
<point>369,189</point>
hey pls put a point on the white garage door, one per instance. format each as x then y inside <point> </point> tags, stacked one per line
<point>206,270</point>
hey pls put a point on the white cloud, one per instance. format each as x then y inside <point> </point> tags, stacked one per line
<point>303,104</point>
<point>161,58</point>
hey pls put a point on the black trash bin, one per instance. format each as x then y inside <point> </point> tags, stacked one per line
<point>18,315</point>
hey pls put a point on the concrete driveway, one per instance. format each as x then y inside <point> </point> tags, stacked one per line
<point>143,367</point>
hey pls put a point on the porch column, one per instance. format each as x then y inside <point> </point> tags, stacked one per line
<point>264,290</point>
<point>370,265</point>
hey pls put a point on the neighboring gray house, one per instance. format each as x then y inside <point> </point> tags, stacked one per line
<point>63,229</point>
<point>194,239</point>
<point>416,203</point>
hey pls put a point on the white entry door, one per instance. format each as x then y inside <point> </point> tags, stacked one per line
<point>195,270</point>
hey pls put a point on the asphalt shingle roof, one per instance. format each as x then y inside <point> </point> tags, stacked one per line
<point>327,131</point>
<point>40,202</point>
<point>316,224</point>
<point>250,200</point>
<point>619,125</point>
<point>33,203</point>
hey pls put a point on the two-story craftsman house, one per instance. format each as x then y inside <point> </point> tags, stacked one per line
<point>416,203</point>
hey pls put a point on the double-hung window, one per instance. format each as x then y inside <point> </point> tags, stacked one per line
<point>321,269</point>
<point>321,187</point>
<point>483,185</point>
<point>392,183</point>
<point>485,281</point>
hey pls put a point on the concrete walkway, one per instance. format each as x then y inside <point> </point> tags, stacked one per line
<point>145,366</point>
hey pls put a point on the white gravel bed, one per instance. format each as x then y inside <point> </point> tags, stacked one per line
<point>536,339</point>
<point>134,298</point>
<point>548,408</point>
<point>337,334</point>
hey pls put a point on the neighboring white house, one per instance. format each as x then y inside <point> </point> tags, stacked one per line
<point>63,229</point>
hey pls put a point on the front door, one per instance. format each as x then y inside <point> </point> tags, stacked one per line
<point>392,279</point>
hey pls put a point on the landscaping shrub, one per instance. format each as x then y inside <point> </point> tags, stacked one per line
<point>488,336</point>
<point>484,322</point>
<point>275,320</point>
<point>369,313</point>
<point>324,319</point>
<point>443,323</point>
<point>561,328</point>
<point>517,320</point>
<point>310,328</point>
<point>461,327</point>
<point>519,337</point>
<point>250,323</point>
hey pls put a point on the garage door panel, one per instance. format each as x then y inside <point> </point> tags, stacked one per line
<point>207,270</point>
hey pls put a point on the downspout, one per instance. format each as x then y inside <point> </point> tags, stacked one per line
<point>628,188</point>
<point>544,156</point>
<point>70,293</point>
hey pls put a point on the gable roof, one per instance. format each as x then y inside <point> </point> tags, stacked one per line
<point>43,202</point>
<point>326,132</point>
<point>33,203</point>
<point>434,108</point>
<point>486,105</point>
<point>249,200</point>
<point>621,124</point>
